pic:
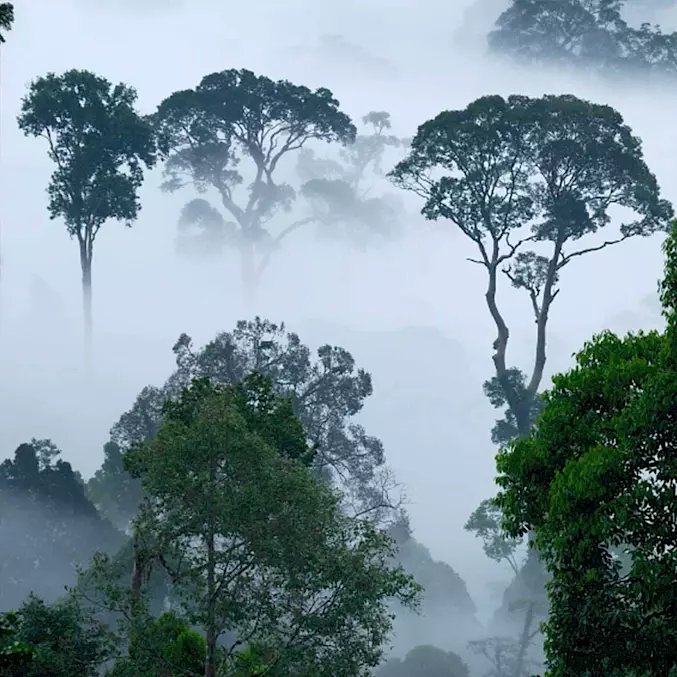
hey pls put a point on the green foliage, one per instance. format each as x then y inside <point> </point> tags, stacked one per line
<point>425,661</point>
<point>598,475</point>
<point>99,145</point>
<point>49,521</point>
<point>235,117</point>
<point>325,394</point>
<point>338,191</point>
<point>65,639</point>
<point>15,655</point>
<point>556,163</point>
<point>6,18</point>
<point>163,647</point>
<point>485,522</point>
<point>583,33</point>
<point>294,573</point>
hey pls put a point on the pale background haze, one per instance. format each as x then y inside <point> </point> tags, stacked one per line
<point>404,57</point>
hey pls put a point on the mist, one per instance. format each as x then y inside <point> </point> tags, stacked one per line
<point>411,311</point>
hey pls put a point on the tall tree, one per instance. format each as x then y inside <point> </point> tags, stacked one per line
<point>99,144</point>
<point>6,18</point>
<point>515,172</point>
<point>341,190</point>
<point>255,544</point>
<point>65,637</point>
<point>235,118</point>
<point>596,474</point>
<point>327,393</point>
<point>583,33</point>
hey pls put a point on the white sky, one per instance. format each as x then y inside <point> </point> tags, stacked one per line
<point>408,58</point>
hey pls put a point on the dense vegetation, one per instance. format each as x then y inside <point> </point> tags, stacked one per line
<point>243,523</point>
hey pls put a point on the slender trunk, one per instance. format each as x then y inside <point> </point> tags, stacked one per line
<point>86,269</point>
<point>210,630</point>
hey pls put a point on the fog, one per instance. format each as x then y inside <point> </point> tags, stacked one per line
<point>412,312</point>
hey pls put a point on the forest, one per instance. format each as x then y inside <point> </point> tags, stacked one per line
<point>244,521</point>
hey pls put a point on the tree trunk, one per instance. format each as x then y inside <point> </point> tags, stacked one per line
<point>210,630</point>
<point>86,268</point>
<point>210,625</point>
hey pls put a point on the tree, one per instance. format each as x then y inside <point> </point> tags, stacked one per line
<point>47,521</point>
<point>14,654</point>
<point>508,655</point>
<point>65,639</point>
<point>257,546</point>
<point>166,646</point>
<point>6,18</point>
<point>327,393</point>
<point>425,661</point>
<point>99,144</point>
<point>235,116</point>
<point>485,521</point>
<point>583,33</point>
<point>556,164</point>
<point>114,492</point>
<point>596,474</point>
<point>338,190</point>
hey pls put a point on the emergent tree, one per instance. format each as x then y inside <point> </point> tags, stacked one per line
<point>340,190</point>
<point>99,144</point>
<point>234,118</point>
<point>510,173</point>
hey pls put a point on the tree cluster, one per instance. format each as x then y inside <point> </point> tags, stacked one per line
<point>586,34</point>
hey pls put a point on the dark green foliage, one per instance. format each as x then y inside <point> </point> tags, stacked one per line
<point>557,163</point>
<point>99,145</point>
<point>583,33</point>
<point>47,523</point>
<point>6,18</point>
<point>253,543</point>
<point>233,118</point>
<point>15,655</point>
<point>325,394</point>
<point>341,191</point>
<point>166,646</point>
<point>425,661</point>
<point>65,639</point>
<point>597,475</point>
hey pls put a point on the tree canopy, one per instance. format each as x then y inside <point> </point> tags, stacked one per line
<point>254,544</point>
<point>586,34</point>
<point>235,119</point>
<point>326,394</point>
<point>597,474</point>
<point>341,190</point>
<point>6,18</point>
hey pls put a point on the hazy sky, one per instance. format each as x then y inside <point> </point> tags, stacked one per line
<point>404,57</point>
